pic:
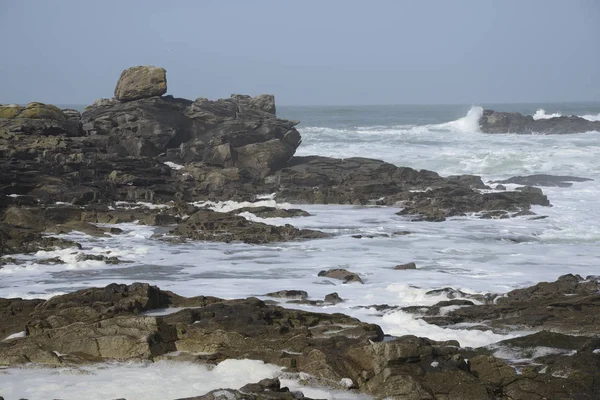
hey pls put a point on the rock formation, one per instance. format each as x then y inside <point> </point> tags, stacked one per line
<point>503,122</point>
<point>108,323</point>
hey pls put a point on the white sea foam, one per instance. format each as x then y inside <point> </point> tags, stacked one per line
<point>230,205</point>
<point>174,166</point>
<point>17,335</point>
<point>468,123</point>
<point>591,117</point>
<point>541,114</point>
<point>144,380</point>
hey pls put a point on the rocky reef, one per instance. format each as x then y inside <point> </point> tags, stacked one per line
<point>502,122</point>
<point>62,171</point>
<point>143,145</point>
<point>109,323</point>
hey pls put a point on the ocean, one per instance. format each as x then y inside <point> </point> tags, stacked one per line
<point>463,253</point>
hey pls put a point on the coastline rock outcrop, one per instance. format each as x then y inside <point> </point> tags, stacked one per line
<point>571,305</point>
<point>99,324</point>
<point>36,119</point>
<point>145,146</point>
<point>503,122</point>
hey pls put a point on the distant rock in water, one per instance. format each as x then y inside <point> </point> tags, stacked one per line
<point>503,122</point>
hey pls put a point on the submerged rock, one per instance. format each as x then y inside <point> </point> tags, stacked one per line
<point>545,180</point>
<point>341,274</point>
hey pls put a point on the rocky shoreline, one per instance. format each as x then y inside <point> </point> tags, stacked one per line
<point>99,324</point>
<point>158,160</point>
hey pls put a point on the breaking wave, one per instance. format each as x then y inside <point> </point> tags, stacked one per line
<point>541,114</point>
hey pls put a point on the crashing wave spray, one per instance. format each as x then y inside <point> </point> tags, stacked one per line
<point>468,123</point>
<point>541,114</point>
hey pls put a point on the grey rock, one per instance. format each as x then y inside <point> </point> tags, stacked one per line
<point>341,274</point>
<point>410,265</point>
<point>141,82</point>
<point>502,122</point>
<point>545,180</point>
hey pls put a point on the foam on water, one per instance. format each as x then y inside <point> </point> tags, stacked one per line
<point>147,381</point>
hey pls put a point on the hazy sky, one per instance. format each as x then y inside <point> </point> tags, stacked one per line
<point>306,52</point>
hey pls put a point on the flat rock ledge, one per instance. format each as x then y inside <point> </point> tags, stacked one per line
<point>110,323</point>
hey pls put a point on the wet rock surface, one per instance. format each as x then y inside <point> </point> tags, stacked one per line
<point>503,122</point>
<point>545,180</point>
<point>570,304</point>
<point>221,227</point>
<point>109,324</point>
<point>145,146</point>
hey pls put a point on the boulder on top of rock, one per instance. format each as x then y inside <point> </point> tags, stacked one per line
<point>240,131</point>
<point>141,82</point>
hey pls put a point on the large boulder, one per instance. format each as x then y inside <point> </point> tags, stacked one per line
<point>502,122</point>
<point>141,82</point>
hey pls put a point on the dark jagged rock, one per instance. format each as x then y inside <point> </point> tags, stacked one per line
<point>289,294</point>
<point>569,305</point>
<point>108,323</point>
<point>229,149</point>
<point>223,227</point>
<point>438,204</point>
<point>225,133</point>
<point>545,180</point>
<point>503,122</point>
<point>266,389</point>
<point>36,119</point>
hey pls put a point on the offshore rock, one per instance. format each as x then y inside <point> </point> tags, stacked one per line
<point>141,82</point>
<point>503,122</point>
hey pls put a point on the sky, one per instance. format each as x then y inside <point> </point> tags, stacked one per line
<point>309,52</point>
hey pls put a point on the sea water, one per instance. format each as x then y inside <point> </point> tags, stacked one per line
<point>464,253</point>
